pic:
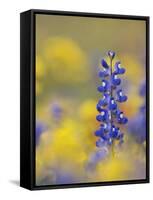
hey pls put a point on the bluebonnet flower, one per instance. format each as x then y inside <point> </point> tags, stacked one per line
<point>103,73</point>
<point>120,96</point>
<point>109,114</point>
<point>118,68</point>
<point>112,104</point>
<point>105,126</point>
<point>104,87</point>
<point>114,132</point>
<point>121,118</point>
<point>103,116</point>
<point>115,80</point>
<point>101,132</point>
<point>103,101</point>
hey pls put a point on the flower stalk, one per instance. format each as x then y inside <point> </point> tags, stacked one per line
<point>108,106</point>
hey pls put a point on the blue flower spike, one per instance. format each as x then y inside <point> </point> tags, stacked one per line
<point>110,117</point>
<point>99,132</point>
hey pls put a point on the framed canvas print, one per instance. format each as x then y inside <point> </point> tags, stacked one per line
<point>84,99</point>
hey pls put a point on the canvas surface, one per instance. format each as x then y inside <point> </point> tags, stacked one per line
<point>72,56</point>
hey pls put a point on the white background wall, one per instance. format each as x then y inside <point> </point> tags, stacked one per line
<point>9,98</point>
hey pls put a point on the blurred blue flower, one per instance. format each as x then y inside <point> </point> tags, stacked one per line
<point>40,128</point>
<point>101,142</point>
<point>96,157</point>
<point>63,177</point>
<point>142,90</point>
<point>137,125</point>
<point>56,111</point>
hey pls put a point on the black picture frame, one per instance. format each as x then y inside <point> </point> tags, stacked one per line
<point>27,98</point>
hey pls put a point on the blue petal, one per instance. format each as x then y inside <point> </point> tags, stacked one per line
<point>103,74</point>
<point>115,80</point>
<point>125,120</point>
<point>99,118</point>
<point>104,64</point>
<point>105,128</point>
<point>99,109</point>
<point>122,99</point>
<point>122,71</point>
<point>100,88</point>
<point>112,106</point>
<point>98,133</point>
<point>105,137</point>
<point>101,102</point>
<point>118,69</point>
